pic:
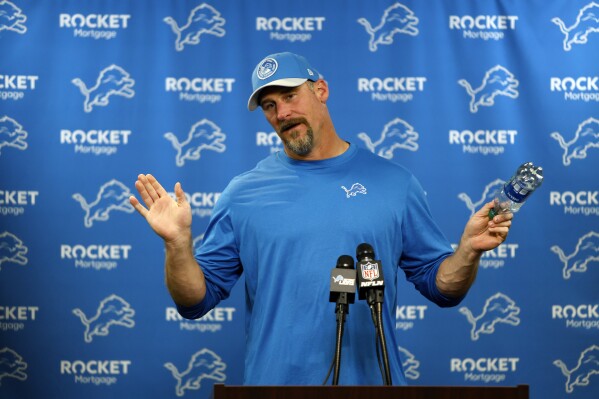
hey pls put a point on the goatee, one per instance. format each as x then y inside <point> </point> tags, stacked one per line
<point>300,146</point>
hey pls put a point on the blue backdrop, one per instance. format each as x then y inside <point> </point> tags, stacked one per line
<point>93,93</point>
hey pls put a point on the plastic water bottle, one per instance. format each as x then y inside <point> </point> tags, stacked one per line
<point>515,191</point>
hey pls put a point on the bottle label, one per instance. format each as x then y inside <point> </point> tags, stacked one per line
<point>516,192</point>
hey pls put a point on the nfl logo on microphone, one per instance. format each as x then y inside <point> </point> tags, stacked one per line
<point>370,271</point>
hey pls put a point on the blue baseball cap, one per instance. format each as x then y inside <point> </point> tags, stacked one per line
<point>281,69</point>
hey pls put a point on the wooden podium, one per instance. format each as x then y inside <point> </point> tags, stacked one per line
<point>367,392</point>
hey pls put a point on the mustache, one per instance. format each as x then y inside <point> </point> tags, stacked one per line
<point>292,122</point>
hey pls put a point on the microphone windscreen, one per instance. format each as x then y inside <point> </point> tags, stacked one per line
<point>345,262</point>
<point>364,251</point>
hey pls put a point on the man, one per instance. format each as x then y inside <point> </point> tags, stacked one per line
<point>285,223</point>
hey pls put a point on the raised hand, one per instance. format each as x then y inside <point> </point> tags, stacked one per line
<point>483,234</point>
<point>170,219</point>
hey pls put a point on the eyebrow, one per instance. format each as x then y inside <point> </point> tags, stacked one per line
<point>282,90</point>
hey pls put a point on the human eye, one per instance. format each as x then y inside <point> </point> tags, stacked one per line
<point>267,106</point>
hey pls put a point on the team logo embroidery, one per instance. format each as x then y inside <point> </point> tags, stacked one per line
<point>113,196</point>
<point>12,365</point>
<point>370,271</point>
<point>204,19</point>
<point>267,68</point>
<point>586,137</point>
<point>203,364</point>
<point>488,195</point>
<point>586,23</point>
<point>12,134</point>
<point>409,364</point>
<point>498,81</point>
<point>396,134</point>
<point>354,190</point>
<point>203,135</point>
<point>580,375</point>
<point>12,18</point>
<point>498,309</point>
<point>586,251</point>
<point>112,81</point>
<point>113,310</point>
<point>12,249</point>
<point>396,19</point>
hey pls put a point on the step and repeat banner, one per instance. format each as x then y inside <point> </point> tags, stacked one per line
<point>92,93</point>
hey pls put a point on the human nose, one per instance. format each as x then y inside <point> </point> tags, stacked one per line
<point>283,111</point>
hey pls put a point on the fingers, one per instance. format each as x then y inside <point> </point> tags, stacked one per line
<point>149,189</point>
<point>499,226</point>
<point>180,194</point>
<point>147,182</point>
<point>501,223</point>
<point>157,187</point>
<point>502,218</point>
<point>143,192</point>
<point>138,207</point>
<point>484,210</point>
<point>506,224</point>
<point>499,218</point>
<point>487,207</point>
<point>499,229</point>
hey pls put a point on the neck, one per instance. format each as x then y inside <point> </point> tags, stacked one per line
<point>326,145</point>
<point>331,149</point>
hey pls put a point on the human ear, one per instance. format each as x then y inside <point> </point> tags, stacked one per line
<point>321,89</point>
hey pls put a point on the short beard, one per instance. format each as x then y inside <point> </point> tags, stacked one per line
<point>300,146</point>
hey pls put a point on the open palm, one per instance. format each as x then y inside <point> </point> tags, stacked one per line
<point>170,219</point>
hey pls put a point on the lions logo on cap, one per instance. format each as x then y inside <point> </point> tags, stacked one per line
<point>267,68</point>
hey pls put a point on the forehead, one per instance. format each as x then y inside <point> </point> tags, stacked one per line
<point>276,91</point>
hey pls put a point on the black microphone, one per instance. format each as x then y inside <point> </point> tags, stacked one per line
<point>343,282</point>
<point>343,292</point>
<point>371,283</point>
<point>371,286</point>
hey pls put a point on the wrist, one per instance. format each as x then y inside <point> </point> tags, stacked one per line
<point>467,253</point>
<point>179,242</point>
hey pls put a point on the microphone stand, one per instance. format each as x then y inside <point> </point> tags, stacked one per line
<point>371,287</point>
<point>375,301</point>
<point>343,288</point>
<point>383,342</point>
<point>340,311</point>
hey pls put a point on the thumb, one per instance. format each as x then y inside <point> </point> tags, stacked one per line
<point>485,209</point>
<point>181,200</point>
